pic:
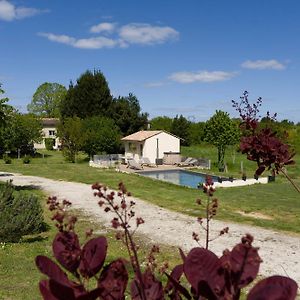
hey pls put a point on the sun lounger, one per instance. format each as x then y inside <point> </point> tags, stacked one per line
<point>146,162</point>
<point>189,162</point>
<point>132,164</point>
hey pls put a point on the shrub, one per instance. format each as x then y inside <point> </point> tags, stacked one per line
<point>26,159</point>
<point>49,143</point>
<point>7,159</point>
<point>207,276</point>
<point>20,214</point>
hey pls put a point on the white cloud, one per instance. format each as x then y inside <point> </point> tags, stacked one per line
<point>89,43</point>
<point>122,37</point>
<point>263,64</point>
<point>9,12</point>
<point>103,27</point>
<point>137,33</point>
<point>201,76</point>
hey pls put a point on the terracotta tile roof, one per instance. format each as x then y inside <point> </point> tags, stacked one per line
<point>141,135</point>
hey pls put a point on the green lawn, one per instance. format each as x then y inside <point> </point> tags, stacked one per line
<point>277,200</point>
<point>19,276</point>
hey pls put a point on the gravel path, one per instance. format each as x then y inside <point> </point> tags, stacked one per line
<point>280,251</point>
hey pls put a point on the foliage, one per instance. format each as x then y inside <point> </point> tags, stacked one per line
<point>26,159</point>
<point>20,214</point>
<point>181,128</point>
<point>126,112</point>
<point>101,135</point>
<point>49,143</point>
<point>90,96</point>
<point>262,145</point>
<point>161,123</point>
<point>20,132</point>
<point>70,132</point>
<point>207,275</point>
<point>6,158</point>
<point>221,131</point>
<point>197,133</point>
<point>5,109</point>
<point>46,100</point>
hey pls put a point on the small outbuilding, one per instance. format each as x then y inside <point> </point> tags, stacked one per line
<point>152,144</point>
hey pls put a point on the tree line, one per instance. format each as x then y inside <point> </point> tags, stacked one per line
<point>93,121</point>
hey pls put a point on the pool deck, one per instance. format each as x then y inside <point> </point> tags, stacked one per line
<point>224,184</point>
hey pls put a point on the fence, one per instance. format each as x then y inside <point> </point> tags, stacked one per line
<point>107,161</point>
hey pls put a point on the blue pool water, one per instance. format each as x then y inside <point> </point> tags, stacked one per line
<point>181,177</point>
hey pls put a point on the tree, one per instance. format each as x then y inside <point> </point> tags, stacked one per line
<point>221,131</point>
<point>5,109</point>
<point>71,135</point>
<point>20,132</point>
<point>196,132</point>
<point>126,112</point>
<point>101,135</point>
<point>161,123</point>
<point>46,100</point>
<point>181,128</point>
<point>90,96</point>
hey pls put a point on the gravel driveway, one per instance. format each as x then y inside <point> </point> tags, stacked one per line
<point>280,251</point>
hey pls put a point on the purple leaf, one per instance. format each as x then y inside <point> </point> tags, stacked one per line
<point>51,269</point>
<point>274,288</point>
<point>153,287</point>
<point>66,250</point>
<point>45,291</point>
<point>60,291</point>
<point>93,256</point>
<point>113,280</point>
<point>175,275</point>
<point>178,289</point>
<point>244,262</point>
<point>201,268</point>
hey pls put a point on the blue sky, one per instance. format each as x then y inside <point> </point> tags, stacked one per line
<point>178,57</point>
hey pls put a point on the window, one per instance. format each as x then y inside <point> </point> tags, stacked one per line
<point>51,132</point>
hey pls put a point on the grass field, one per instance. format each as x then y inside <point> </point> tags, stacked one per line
<point>19,276</point>
<point>278,200</point>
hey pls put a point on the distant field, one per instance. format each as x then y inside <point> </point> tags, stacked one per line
<point>278,200</point>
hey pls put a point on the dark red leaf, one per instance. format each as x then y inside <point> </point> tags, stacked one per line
<point>93,256</point>
<point>51,269</point>
<point>153,288</point>
<point>60,291</point>
<point>113,280</point>
<point>92,295</point>
<point>244,263</point>
<point>274,288</point>
<point>45,291</point>
<point>175,275</point>
<point>66,250</point>
<point>178,289</point>
<point>183,256</point>
<point>200,266</point>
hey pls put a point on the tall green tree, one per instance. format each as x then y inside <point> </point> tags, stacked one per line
<point>5,109</point>
<point>46,100</point>
<point>197,133</point>
<point>181,128</point>
<point>161,123</point>
<point>101,135</point>
<point>20,132</point>
<point>70,132</point>
<point>90,96</point>
<point>126,112</point>
<point>221,131</point>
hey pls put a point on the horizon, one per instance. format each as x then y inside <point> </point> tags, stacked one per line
<point>176,58</point>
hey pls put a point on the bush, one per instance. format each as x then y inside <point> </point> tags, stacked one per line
<point>49,143</point>
<point>20,214</point>
<point>26,159</point>
<point>7,159</point>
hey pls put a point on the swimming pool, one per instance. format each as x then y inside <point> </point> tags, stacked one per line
<point>180,177</point>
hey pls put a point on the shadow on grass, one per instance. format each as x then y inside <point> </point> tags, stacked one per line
<point>34,239</point>
<point>29,187</point>
<point>6,174</point>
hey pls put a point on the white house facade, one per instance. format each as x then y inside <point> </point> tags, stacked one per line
<point>152,144</point>
<point>49,131</point>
